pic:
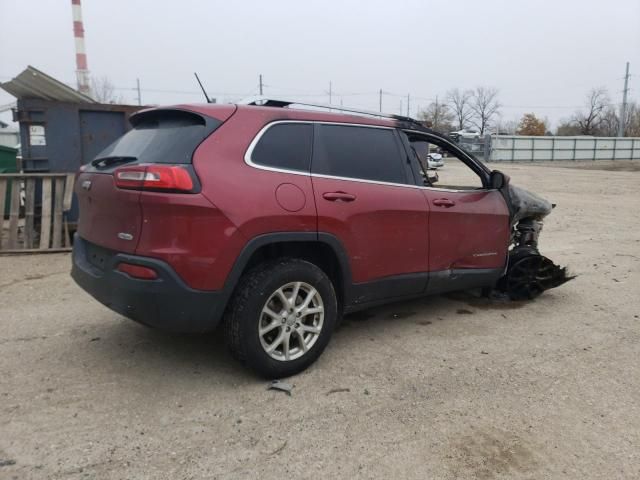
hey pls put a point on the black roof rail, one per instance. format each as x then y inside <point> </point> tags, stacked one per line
<point>272,102</point>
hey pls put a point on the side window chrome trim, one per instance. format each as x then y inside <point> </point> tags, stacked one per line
<point>390,184</point>
<point>263,130</point>
<point>362,180</point>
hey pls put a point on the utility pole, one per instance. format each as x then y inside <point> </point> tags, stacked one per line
<point>330,92</point>
<point>436,115</point>
<point>380,101</point>
<point>623,107</point>
<point>408,101</point>
<point>260,84</point>
<point>139,94</point>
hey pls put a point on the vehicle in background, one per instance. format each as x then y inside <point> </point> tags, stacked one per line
<point>464,133</point>
<point>435,161</point>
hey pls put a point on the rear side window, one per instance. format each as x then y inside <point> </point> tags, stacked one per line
<point>358,152</point>
<point>286,146</point>
<point>162,136</point>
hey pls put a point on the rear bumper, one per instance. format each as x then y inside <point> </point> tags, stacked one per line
<point>166,302</point>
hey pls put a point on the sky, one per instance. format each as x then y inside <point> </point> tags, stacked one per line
<point>543,56</point>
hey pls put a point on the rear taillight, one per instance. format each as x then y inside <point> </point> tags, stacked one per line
<point>155,177</point>
<point>138,271</point>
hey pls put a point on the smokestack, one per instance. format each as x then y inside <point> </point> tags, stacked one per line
<point>82,69</point>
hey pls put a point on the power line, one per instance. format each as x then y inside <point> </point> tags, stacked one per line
<point>293,92</point>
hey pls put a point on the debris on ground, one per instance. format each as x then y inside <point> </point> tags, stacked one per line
<point>338,390</point>
<point>279,449</point>
<point>282,386</point>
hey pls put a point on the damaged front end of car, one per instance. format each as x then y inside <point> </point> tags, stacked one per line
<point>528,273</point>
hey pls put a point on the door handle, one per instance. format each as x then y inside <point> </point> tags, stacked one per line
<point>443,202</point>
<point>338,197</point>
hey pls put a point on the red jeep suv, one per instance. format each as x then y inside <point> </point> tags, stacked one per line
<point>275,221</point>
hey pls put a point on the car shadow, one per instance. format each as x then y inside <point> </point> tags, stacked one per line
<point>148,354</point>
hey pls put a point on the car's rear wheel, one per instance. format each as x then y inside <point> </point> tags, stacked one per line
<point>281,317</point>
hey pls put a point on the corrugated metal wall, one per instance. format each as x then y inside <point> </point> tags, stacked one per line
<point>514,148</point>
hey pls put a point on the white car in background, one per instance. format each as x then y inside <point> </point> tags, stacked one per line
<point>464,133</point>
<point>434,161</point>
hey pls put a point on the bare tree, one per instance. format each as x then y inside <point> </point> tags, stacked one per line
<point>103,91</point>
<point>506,127</point>
<point>567,128</point>
<point>459,104</point>
<point>632,122</point>
<point>484,105</point>
<point>438,117</point>
<point>589,121</point>
<point>609,122</point>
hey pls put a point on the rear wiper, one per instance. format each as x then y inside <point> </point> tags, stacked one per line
<point>107,161</point>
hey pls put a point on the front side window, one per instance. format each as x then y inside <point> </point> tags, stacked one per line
<point>357,152</point>
<point>440,167</point>
<point>286,146</point>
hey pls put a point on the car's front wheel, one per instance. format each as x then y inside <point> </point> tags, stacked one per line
<point>281,317</point>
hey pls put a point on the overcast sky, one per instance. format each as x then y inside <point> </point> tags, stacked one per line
<point>543,55</point>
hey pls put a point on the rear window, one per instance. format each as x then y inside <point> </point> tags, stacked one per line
<point>286,146</point>
<point>162,136</point>
<point>357,152</point>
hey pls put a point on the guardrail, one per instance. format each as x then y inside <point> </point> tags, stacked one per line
<point>515,148</point>
<point>37,205</point>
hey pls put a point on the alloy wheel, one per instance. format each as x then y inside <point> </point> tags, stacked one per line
<point>291,321</point>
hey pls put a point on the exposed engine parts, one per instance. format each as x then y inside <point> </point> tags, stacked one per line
<point>528,272</point>
<point>526,233</point>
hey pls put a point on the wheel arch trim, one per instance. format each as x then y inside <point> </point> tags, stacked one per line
<point>253,245</point>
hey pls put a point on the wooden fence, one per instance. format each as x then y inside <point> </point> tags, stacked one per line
<point>37,205</point>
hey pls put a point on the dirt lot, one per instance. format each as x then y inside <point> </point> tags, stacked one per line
<point>442,388</point>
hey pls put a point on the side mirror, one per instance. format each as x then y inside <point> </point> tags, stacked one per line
<point>498,180</point>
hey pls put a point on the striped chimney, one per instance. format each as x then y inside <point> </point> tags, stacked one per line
<point>82,69</point>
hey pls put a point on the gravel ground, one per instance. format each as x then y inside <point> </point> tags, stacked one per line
<point>441,388</point>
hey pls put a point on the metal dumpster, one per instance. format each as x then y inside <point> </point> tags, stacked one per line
<point>60,128</point>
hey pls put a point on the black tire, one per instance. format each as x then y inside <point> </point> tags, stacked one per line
<point>243,315</point>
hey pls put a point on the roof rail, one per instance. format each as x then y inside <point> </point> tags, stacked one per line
<point>272,102</point>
